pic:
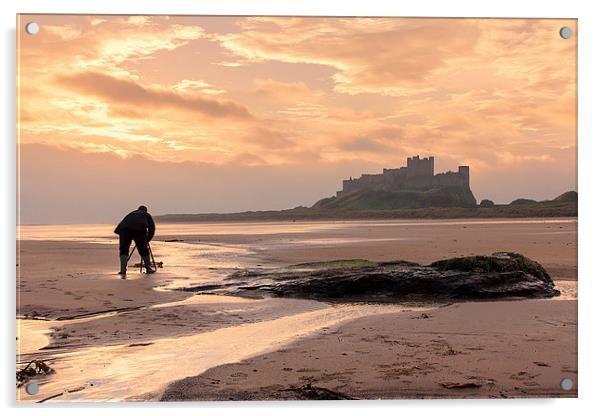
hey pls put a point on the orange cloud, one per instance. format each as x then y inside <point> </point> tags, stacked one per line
<point>370,55</point>
<point>281,90</point>
<point>127,92</point>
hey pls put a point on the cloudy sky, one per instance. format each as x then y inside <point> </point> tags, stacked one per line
<point>222,114</point>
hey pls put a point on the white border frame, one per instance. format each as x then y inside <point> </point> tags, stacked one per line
<point>590,39</point>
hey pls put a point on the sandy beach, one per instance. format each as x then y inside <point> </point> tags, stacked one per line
<point>101,333</point>
<point>469,350</point>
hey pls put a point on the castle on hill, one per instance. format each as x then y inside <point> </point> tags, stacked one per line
<point>419,174</point>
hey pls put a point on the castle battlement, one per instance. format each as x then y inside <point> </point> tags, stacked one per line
<point>417,174</point>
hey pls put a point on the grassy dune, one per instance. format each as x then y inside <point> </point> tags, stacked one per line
<point>538,209</point>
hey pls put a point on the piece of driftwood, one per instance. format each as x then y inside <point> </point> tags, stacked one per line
<point>469,385</point>
<point>310,392</point>
<point>33,369</point>
<point>54,396</point>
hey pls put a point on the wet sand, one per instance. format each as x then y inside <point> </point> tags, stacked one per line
<point>470,350</point>
<point>552,242</point>
<point>102,334</point>
<point>115,372</point>
<point>144,324</point>
<point>65,279</point>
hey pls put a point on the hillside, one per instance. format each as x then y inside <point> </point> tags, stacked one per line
<point>570,196</point>
<point>542,209</point>
<point>365,199</point>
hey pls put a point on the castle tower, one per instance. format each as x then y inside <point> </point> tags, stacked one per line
<point>431,165</point>
<point>465,175</point>
<point>421,167</point>
<point>419,172</point>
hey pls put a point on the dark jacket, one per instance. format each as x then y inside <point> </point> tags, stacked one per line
<point>137,222</point>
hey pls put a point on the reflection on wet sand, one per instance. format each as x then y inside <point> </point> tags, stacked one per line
<point>113,373</point>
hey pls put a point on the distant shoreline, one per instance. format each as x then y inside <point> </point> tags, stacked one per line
<point>548,209</point>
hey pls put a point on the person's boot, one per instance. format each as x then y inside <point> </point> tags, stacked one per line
<point>123,260</point>
<point>147,264</point>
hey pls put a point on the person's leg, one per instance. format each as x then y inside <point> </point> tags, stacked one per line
<point>142,246</point>
<point>125,241</point>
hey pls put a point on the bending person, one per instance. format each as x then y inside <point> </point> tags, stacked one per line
<point>137,226</point>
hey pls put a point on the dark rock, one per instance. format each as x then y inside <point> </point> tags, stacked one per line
<point>497,262</point>
<point>501,275</point>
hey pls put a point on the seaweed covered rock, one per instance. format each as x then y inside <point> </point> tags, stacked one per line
<point>501,275</point>
<point>497,262</point>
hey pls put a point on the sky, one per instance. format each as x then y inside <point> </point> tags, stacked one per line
<point>223,114</point>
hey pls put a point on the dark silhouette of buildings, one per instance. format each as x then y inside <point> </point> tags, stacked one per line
<point>419,174</point>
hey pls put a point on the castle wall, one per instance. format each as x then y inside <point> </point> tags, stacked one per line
<point>392,178</point>
<point>449,179</point>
